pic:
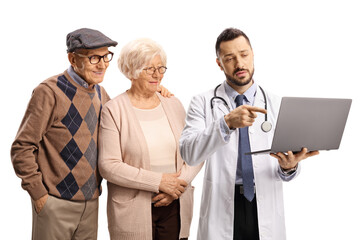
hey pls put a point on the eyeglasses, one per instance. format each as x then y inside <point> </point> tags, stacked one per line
<point>95,59</point>
<point>151,70</point>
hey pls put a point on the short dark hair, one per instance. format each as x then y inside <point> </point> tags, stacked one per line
<point>228,35</point>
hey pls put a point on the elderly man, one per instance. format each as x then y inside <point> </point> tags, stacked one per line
<point>242,194</point>
<point>55,149</point>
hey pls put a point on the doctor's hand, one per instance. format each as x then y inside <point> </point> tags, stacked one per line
<point>242,116</point>
<point>162,199</point>
<point>290,160</point>
<point>172,185</point>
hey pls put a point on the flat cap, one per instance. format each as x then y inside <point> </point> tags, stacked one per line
<point>88,39</point>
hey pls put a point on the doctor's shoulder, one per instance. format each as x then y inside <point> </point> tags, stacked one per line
<point>199,103</point>
<point>203,97</point>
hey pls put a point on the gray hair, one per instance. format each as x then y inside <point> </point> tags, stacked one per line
<point>136,54</point>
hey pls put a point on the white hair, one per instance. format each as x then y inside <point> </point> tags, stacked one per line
<point>137,54</point>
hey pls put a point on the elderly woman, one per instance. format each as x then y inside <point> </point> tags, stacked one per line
<point>149,191</point>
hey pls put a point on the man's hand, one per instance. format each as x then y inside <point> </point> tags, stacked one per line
<point>172,185</point>
<point>242,116</point>
<point>40,203</point>
<point>164,91</point>
<point>290,160</point>
<point>162,199</point>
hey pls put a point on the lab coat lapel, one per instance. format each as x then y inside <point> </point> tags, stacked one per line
<point>258,138</point>
<point>220,105</point>
<point>231,151</point>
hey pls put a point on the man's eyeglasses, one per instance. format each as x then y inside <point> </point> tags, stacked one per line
<point>151,70</point>
<point>95,59</point>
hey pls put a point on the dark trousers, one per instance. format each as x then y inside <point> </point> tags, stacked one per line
<point>245,217</point>
<point>166,222</point>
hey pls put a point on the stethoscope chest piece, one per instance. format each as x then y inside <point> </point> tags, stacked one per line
<point>266,126</point>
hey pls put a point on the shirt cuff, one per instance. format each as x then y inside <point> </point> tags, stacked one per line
<point>225,130</point>
<point>287,176</point>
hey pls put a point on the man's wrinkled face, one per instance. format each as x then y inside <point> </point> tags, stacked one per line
<point>236,59</point>
<point>92,73</point>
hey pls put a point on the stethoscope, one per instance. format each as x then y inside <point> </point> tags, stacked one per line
<point>265,126</point>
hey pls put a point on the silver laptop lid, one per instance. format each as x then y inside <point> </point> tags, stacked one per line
<point>314,123</point>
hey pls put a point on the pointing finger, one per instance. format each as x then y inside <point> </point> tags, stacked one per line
<point>252,114</point>
<point>255,109</point>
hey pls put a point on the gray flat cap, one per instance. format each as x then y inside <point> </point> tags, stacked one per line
<point>88,39</point>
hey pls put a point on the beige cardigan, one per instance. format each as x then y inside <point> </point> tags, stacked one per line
<point>124,162</point>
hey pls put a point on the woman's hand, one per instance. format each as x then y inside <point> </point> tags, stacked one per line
<point>164,91</point>
<point>172,185</point>
<point>162,200</point>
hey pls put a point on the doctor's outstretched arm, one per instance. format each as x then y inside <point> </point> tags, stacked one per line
<point>202,136</point>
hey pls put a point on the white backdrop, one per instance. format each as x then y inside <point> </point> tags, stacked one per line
<point>302,48</point>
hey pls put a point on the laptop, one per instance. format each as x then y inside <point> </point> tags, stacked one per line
<point>314,123</point>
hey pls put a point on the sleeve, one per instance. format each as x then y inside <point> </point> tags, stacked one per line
<point>37,119</point>
<point>286,177</point>
<point>225,130</point>
<point>111,164</point>
<point>188,173</point>
<point>199,141</point>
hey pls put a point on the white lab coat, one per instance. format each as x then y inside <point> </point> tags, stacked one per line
<point>202,140</point>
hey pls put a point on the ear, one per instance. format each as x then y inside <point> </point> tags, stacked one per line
<point>71,57</point>
<point>219,64</point>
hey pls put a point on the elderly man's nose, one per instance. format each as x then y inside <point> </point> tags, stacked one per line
<point>101,64</point>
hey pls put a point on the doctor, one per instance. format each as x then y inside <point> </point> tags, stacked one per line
<point>242,194</point>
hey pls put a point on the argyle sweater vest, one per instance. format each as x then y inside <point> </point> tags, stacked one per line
<point>62,122</point>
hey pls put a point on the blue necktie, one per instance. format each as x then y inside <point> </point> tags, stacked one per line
<point>244,163</point>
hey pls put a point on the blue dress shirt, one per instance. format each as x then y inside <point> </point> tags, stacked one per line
<point>79,80</point>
